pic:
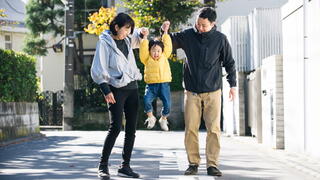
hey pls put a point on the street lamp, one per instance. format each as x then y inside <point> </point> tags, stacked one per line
<point>57,48</point>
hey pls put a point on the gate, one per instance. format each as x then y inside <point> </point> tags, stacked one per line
<point>50,110</point>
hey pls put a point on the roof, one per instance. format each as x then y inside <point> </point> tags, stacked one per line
<point>14,9</point>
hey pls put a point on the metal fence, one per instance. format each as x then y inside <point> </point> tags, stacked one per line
<point>50,109</point>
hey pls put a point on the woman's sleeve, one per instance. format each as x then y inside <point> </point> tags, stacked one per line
<point>100,64</point>
<point>167,45</point>
<point>136,38</point>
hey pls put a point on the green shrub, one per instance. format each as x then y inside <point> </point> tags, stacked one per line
<point>18,79</point>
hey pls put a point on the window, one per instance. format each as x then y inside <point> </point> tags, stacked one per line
<point>7,42</point>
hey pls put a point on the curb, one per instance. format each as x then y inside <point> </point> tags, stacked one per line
<point>22,139</point>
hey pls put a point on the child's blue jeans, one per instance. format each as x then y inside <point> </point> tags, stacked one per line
<point>161,90</point>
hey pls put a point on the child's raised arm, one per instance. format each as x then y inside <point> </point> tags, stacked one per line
<point>166,39</point>
<point>144,51</point>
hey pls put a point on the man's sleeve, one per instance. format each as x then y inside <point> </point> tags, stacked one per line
<point>177,39</point>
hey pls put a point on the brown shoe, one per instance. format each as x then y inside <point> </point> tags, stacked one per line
<point>192,170</point>
<point>213,171</point>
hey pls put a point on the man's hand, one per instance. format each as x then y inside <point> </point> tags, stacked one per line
<point>145,32</point>
<point>110,98</point>
<point>165,26</point>
<point>232,93</point>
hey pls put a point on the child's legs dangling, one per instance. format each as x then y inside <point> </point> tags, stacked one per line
<point>165,97</point>
<point>148,98</point>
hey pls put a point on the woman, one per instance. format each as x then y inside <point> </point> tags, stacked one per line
<point>115,70</point>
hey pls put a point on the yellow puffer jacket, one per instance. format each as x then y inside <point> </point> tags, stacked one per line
<point>156,71</point>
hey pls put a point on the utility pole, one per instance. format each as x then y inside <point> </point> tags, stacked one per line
<point>69,55</point>
<point>104,3</point>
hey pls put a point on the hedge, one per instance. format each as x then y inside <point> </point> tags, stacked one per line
<point>18,79</point>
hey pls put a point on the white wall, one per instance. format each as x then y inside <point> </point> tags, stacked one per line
<point>312,121</point>
<point>50,68</point>
<point>229,8</point>
<point>272,101</point>
<point>293,77</point>
<point>301,76</point>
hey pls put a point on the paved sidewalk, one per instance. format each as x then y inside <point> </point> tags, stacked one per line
<point>157,155</point>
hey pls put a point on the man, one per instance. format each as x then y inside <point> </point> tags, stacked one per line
<point>207,51</point>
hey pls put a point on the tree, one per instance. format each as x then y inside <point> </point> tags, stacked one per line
<point>43,17</point>
<point>152,13</point>
<point>47,16</point>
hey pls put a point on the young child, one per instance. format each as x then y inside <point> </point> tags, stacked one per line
<point>157,75</point>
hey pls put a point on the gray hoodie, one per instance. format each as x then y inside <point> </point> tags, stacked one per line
<point>111,66</point>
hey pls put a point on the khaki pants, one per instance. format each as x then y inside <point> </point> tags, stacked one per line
<point>210,105</point>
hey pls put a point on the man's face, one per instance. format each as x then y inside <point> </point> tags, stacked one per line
<point>204,25</point>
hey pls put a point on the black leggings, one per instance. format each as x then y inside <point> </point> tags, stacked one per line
<point>127,101</point>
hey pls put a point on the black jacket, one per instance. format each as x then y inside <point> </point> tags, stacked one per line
<point>206,54</point>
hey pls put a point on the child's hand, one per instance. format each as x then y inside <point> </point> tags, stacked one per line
<point>165,26</point>
<point>145,32</point>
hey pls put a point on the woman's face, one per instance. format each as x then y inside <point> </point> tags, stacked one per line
<point>155,52</point>
<point>122,32</point>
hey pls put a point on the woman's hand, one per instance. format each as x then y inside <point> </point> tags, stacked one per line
<point>110,98</point>
<point>145,32</point>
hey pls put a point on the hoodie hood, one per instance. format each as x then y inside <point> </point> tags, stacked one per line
<point>111,66</point>
<point>106,36</point>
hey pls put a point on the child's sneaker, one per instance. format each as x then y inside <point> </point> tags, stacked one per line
<point>151,122</point>
<point>164,124</point>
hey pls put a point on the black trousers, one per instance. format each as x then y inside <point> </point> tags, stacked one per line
<point>127,101</point>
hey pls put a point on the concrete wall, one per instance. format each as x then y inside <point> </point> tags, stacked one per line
<point>18,119</point>
<point>301,71</point>
<point>293,78</point>
<point>233,121</point>
<point>312,131</point>
<point>176,118</point>
<point>242,86</point>
<point>254,104</point>
<point>272,102</point>
<point>91,121</point>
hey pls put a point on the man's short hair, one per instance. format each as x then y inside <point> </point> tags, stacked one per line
<point>208,13</point>
<point>121,20</point>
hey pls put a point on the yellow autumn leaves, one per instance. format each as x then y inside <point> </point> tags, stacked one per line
<point>100,20</point>
<point>2,14</point>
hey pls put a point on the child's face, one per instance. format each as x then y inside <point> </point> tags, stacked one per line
<point>156,52</point>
